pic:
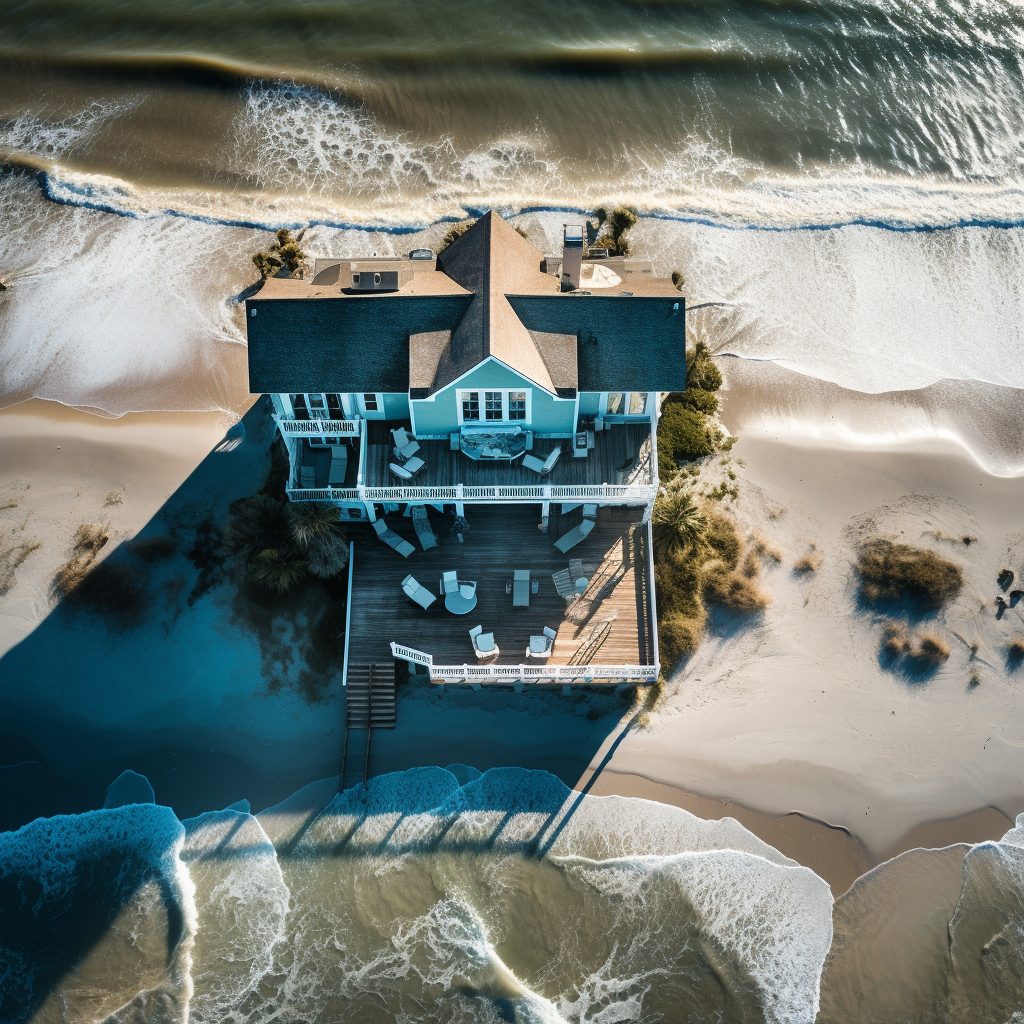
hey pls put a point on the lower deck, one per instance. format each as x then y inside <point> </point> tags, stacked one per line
<point>610,623</point>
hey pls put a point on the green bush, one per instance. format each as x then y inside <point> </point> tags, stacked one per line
<point>693,398</point>
<point>683,436</point>
<point>702,372</point>
<point>677,637</point>
<point>896,572</point>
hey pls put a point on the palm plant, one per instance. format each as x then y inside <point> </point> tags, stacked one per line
<point>317,530</point>
<point>277,569</point>
<point>286,253</point>
<point>257,522</point>
<point>677,523</point>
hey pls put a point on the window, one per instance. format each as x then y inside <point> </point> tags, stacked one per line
<point>626,403</point>
<point>471,405</point>
<point>370,402</point>
<point>497,406</point>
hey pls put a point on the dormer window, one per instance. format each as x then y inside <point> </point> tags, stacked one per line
<point>497,406</point>
<point>470,406</point>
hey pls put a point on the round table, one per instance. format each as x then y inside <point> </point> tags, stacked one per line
<point>459,605</point>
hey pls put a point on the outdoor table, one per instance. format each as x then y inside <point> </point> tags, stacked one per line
<point>459,605</point>
<point>581,584</point>
<point>490,446</point>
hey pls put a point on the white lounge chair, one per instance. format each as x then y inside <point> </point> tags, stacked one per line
<point>573,537</point>
<point>415,592</point>
<point>541,646</point>
<point>405,446</point>
<point>409,470</point>
<point>403,547</point>
<point>543,468</point>
<point>483,643</point>
<point>521,588</point>
<point>421,524</point>
<point>449,582</point>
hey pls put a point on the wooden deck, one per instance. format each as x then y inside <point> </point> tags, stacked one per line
<point>619,456</point>
<point>609,625</point>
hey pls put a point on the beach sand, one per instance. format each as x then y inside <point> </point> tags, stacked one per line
<point>788,723</point>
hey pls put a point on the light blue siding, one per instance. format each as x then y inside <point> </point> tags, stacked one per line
<point>396,407</point>
<point>440,415</point>
<point>590,403</point>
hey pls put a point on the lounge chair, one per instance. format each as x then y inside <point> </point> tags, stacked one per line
<point>521,588</point>
<point>541,646</point>
<point>409,470</point>
<point>564,584</point>
<point>573,537</point>
<point>403,547</point>
<point>405,446</point>
<point>483,643</point>
<point>545,467</point>
<point>415,592</point>
<point>421,524</point>
<point>449,582</point>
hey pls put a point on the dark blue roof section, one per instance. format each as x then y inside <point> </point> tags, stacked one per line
<point>623,342</point>
<point>349,343</point>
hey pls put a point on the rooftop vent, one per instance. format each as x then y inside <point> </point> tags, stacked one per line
<point>421,254</point>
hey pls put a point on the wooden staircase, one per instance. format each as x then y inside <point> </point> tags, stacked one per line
<point>371,696</point>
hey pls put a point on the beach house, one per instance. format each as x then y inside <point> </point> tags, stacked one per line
<point>503,401</point>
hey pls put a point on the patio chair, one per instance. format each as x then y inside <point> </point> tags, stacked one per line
<point>418,593</point>
<point>421,524</point>
<point>483,643</point>
<point>405,446</point>
<point>545,467</point>
<point>541,646</point>
<point>409,470</point>
<point>449,582</point>
<point>564,583</point>
<point>573,537</point>
<point>521,588</point>
<point>467,588</point>
<point>403,547</point>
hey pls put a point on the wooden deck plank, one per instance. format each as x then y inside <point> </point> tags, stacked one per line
<point>500,540</point>
<point>616,454</point>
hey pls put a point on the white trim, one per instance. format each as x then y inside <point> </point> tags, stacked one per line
<point>620,417</point>
<point>372,414</point>
<point>564,674</point>
<point>481,394</point>
<point>348,611</point>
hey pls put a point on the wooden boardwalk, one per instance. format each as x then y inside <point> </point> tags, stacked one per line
<point>610,624</point>
<point>619,456</point>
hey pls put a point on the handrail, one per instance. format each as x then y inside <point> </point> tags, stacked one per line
<point>410,654</point>
<point>640,493</point>
<point>323,493</point>
<point>543,673</point>
<point>348,611</point>
<point>304,428</point>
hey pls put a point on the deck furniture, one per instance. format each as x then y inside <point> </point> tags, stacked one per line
<point>564,583</point>
<point>545,467</point>
<point>521,588</point>
<point>590,511</point>
<point>462,600</point>
<point>409,470</point>
<point>405,446</point>
<point>576,569</point>
<point>339,465</point>
<point>529,440</point>
<point>573,537</point>
<point>418,593</point>
<point>403,547</point>
<point>314,469</point>
<point>582,582</point>
<point>421,524</point>
<point>483,643</point>
<point>540,646</point>
<point>489,445</point>
<point>450,583</point>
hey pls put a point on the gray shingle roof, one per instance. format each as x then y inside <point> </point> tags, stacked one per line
<point>625,343</point>
<point>344,343</point>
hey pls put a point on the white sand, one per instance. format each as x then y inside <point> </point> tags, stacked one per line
<point>793,711</point>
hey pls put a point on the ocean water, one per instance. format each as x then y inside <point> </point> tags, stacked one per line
<point>842,181</point>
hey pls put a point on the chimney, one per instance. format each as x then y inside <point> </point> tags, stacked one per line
<point>572,255</point>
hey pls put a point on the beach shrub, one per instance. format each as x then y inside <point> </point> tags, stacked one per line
<point>897,572</point>
<point>617,224</point>
<point>277,569</point>
<point>806,564</point>
<point>317,531</point>
<point>705,402</point>
<point>701,372</point>
<point>454,233</point>
<point>286,255</point>
<point>11,559</point>
<point>678,280</point>
<point>684,435</point>
<point>1015,650</point>
<point>764,548</point>
<point>731,589</point>
<point>929,650</point>
<point>678,636</point>
<point>677,524</point>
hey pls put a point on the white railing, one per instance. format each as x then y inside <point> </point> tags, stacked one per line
<point>636,493</point>
<point>543,673</point>
<point>323,494</point>
<point>318,428</point>
<point>410,654</point>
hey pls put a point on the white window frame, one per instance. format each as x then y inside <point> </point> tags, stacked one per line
<point>370,414</point>
<point>627,397</point>
<point>481,394</point>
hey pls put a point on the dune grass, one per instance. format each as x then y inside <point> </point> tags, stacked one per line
<point>899,572</point>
